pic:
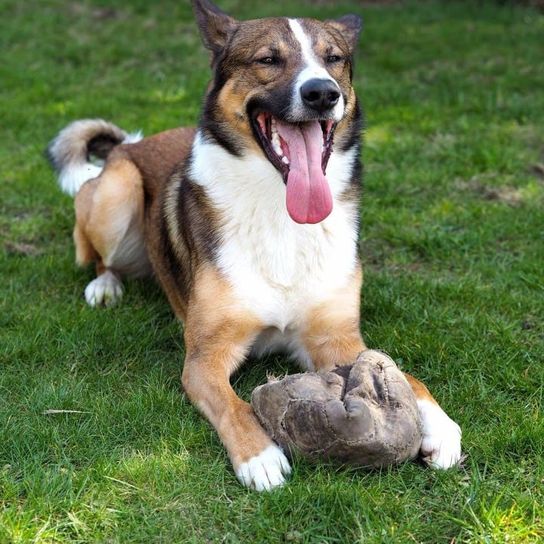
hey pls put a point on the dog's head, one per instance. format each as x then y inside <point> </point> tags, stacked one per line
<point>282,87</point>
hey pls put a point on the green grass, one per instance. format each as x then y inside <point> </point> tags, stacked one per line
<point>452,240</point>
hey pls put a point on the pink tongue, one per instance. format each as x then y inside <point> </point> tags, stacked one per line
<point>309,198</point>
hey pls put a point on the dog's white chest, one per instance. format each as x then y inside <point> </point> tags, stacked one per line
<point>281,270</point>
<point>277,268</point>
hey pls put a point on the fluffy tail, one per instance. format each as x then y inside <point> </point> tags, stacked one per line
<point>70,152</point>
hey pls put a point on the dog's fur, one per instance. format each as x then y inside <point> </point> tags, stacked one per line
<point>205,210</point>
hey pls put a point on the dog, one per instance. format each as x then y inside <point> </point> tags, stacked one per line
<point>249,222</point>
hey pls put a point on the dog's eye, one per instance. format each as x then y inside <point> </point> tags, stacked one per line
<point>331,59</point>
<point>268,60</point>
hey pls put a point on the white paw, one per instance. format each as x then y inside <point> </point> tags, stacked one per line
<point>264,471</point>
<point>105,290</point>
<point>441,445</point>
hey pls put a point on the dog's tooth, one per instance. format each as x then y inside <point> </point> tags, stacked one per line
<point>276,143</point>
<point>285,160</point>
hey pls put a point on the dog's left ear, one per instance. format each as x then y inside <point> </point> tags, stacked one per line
<point>350,27</point>
<point>214,25</point>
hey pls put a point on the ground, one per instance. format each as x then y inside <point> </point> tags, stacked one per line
<point>452,241</point>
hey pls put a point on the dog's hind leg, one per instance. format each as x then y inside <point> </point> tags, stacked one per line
<point>109,230</point>
<point>106,289</point>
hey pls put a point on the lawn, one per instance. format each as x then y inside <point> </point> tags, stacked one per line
<point>452,241</point>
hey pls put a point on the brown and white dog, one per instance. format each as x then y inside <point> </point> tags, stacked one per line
<point>249,222</point>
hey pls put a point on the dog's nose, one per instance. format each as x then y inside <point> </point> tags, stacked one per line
<point>320,94</point>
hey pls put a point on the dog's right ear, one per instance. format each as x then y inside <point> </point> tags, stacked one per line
<point>214,25</point>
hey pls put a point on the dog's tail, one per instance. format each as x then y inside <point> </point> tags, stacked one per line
<point>71,151</point>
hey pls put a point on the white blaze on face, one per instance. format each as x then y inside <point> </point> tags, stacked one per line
<point>312,69</point>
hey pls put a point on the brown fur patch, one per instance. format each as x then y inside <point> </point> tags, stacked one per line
<point>183,233</point>
<point>218,334</point>
<point>85,252</point>
<point>232,104</point>
<point>108,209</point>
<point>332,335</point>
<point>420,390</point>
<point>157,156</point>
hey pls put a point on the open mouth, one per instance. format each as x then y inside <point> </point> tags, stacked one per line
<point>300,152</point>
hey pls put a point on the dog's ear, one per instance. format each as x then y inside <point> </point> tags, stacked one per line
<point>214,25</point>
<point>350,27</point>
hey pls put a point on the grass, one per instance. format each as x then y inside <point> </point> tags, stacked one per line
<point>452,240</point>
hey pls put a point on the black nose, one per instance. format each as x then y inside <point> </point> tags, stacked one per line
<point>320,94</point>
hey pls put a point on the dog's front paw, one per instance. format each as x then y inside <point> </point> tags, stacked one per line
<point>264,471</point>
<point>105,290</point>
<point>441,444</point>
